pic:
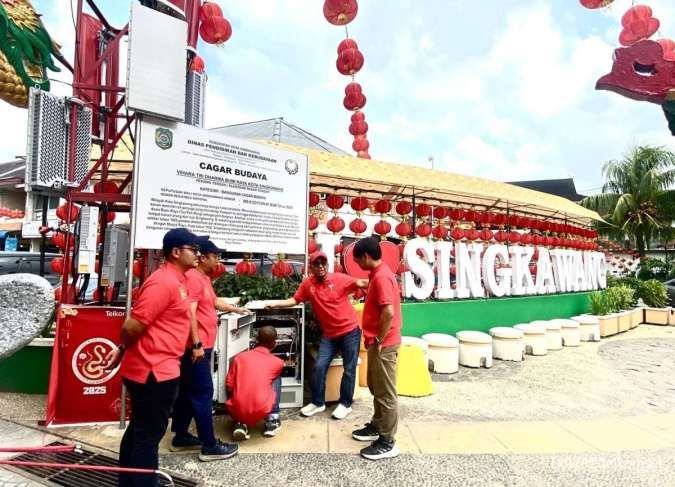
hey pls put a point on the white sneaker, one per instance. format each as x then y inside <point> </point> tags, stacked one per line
<point>311,409</point>
<point>341,412</point>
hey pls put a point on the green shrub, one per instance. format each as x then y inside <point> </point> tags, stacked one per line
<point>252,288</point>
<point>598,304</point>
<point>654,269</point>
<point>613,299</point>
<point>625,297</point>
<point>631,282</point>
<point>653,293</point>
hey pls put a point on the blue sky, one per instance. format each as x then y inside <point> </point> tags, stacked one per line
<point>502,89</point>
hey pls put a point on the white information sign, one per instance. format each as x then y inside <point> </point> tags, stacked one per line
<point>247,197</point>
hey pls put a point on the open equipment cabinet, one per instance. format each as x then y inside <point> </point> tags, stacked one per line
<point>237,333</point>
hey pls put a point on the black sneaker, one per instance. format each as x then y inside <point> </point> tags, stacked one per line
<point>220,451</point>
<point>185,443</point>
<point>380,449</point>
<point>240,432</point>
<point>272,427</point>
<point>367,433</point>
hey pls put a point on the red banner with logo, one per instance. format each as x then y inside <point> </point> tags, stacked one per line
<point>80,389</point>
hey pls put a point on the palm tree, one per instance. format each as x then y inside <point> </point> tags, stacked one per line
<point>636,199</point>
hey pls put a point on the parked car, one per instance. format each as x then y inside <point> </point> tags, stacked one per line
<point>670,287</point>
<point>28,263</point>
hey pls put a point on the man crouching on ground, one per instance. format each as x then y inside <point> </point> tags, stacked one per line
<point>254,387</point>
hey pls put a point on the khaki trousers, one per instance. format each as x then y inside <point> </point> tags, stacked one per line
<point>382,385</point>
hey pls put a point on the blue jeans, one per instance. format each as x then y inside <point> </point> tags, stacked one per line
<point>348,346</point>
<point>195,398</point>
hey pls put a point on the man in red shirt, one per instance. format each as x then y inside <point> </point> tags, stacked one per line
<point>195,394</point>
<point>329,295</point>
<point>382,337</point>
<point>254,386</point>
<point>153,341</point>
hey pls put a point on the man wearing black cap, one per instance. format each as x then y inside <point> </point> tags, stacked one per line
<point>153,341</point>
<point>196,382</point>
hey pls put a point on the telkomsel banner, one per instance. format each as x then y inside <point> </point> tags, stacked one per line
<point>247,197</point>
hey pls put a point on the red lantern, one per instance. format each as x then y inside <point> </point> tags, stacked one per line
<point>440,212</point>
<point>312,222</point>
<point>668,47</point>
<point>501,236</point>
<point>360,127</point>
<point>218,270</point>
<point>138,268</point>
<point>281,269</point>
<point>423,230</point>
<point>340,12</point>
<point>197,65</point>
<point>359,204</point>
<point>111,216</point>
<point>314,199</point>
<point>59,239</point>
<point>526,239</point>
<point>472,234</point>
<point>209,10</point>
<point>62,213</point>
<point>404,229</point>
<point>485,235</point>
<point>338,249</point>
<point>383,206</point>
<point>106,187</point>
<point>245,267</point>
<point>403,208</point>
<point>382,228</point>
<point>360,144</point>
<point>423,210</point>
<point>456,214</point>
<point>335,202</point>
<point>312,246</point>
<point>500,219</point>
<point>349,62</point>
<point>358,226</point>
<point>347,44</point>
<point>472,216</point>
<point>487,219</point>
<point>215,30</point>
<point>638,24</point>
<point>457,233</point>
<point>56,265</point>
<point>593,4</point>
<point>335,224</point>
<point>440,232</point>
<point>354,101</point>
<point>514,237</point>
<point>358,116</point>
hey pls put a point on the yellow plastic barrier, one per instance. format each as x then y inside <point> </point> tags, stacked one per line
<point>412,373</point>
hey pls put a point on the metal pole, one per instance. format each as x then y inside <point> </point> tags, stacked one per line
<point>43,242</point>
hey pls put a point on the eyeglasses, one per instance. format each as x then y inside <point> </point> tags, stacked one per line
<point>192,248</point>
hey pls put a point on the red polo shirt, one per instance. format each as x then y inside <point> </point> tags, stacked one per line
<point>249,382</point>
<point>382,290</point>
<point>330,302</point>
<point>162,306</point>
<point>201,292</point>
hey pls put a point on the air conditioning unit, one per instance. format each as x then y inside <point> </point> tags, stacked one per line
<point>194,98</point>
<point>49,142</point>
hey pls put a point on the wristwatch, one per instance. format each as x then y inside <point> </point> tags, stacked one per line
<point>378,341</point>
<point>196,346</point>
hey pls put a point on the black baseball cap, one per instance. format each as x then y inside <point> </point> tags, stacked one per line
<point>177,237</point>
<point>206,246</point>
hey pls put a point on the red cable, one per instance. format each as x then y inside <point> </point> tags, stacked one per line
<point>78,467</point>
<point>48,449</point>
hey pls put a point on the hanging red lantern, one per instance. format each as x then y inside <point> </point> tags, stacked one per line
<point>487,219</point>
<point>501,236</point>
<point>382,228</point>
<point>668,47</point>
<point>404,229</point>
<point>138,268</point>
<point>246,267</point>
<point>335,202</point>
<point>383,206</point>
<point>456,214</point>
<point>340,12</point>
<point>338,249</point>
<point>526,239</point>
<point>215,30</point>
<point>360,143</point>
<point>209,10</point>
<point>423,230</point>
<point>197,65</point>
<point>106,187</point>
<point>349,62</point>
<point>347,44</point>
<point>62,213</point>
<point>56,265</point>
<point>440,232</point>
<point>281,268</point>
<point>218,270</point>
<point>486,235</point>
<point>500,219</point>
<point>514,237</point>
<point>593,4</point>
<point>335,224</point>
<point>59,239</point>
<point>354,100</point>
<point>358,116</point>
<point>111,216</point>
<point>312,222</point>
<point>312,246</point>
<point>472,216</point>
<point>403,208</point>
<point>359,204</point>
<point>358,226</point>
<point>472,234</point>
<point>440,212</point>
<point>638,24</point>
<point>314,199</point>
<point>457,234</point>
<point>423,210</point>
<point>360,127</point>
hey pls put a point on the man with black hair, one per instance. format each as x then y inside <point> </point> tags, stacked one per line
<point>254,387</point>
<point>195,396</point>
<point>382,337</point>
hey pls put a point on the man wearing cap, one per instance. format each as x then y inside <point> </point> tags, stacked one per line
<point>153,341</point>
<point>195,394</point>
<point>329,295</point>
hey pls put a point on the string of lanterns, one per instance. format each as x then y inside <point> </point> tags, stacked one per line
<point>349,62</point>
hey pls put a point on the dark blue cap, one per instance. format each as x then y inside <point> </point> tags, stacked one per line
<point>177,237</point>
<point>206,246</point>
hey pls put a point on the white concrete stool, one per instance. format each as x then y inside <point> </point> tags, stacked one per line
<point>534,336</point>
<point>589,327</point>
<point>443,352</point>
<point>553,336</point>
<point>475,349</point>
<point>507,343</point>
<point>419,343</point>
<point>571,334</point>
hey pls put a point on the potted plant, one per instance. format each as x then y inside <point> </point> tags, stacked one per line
<point>602,308</point>
<point>655,296</point>
<point>625,297</point>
